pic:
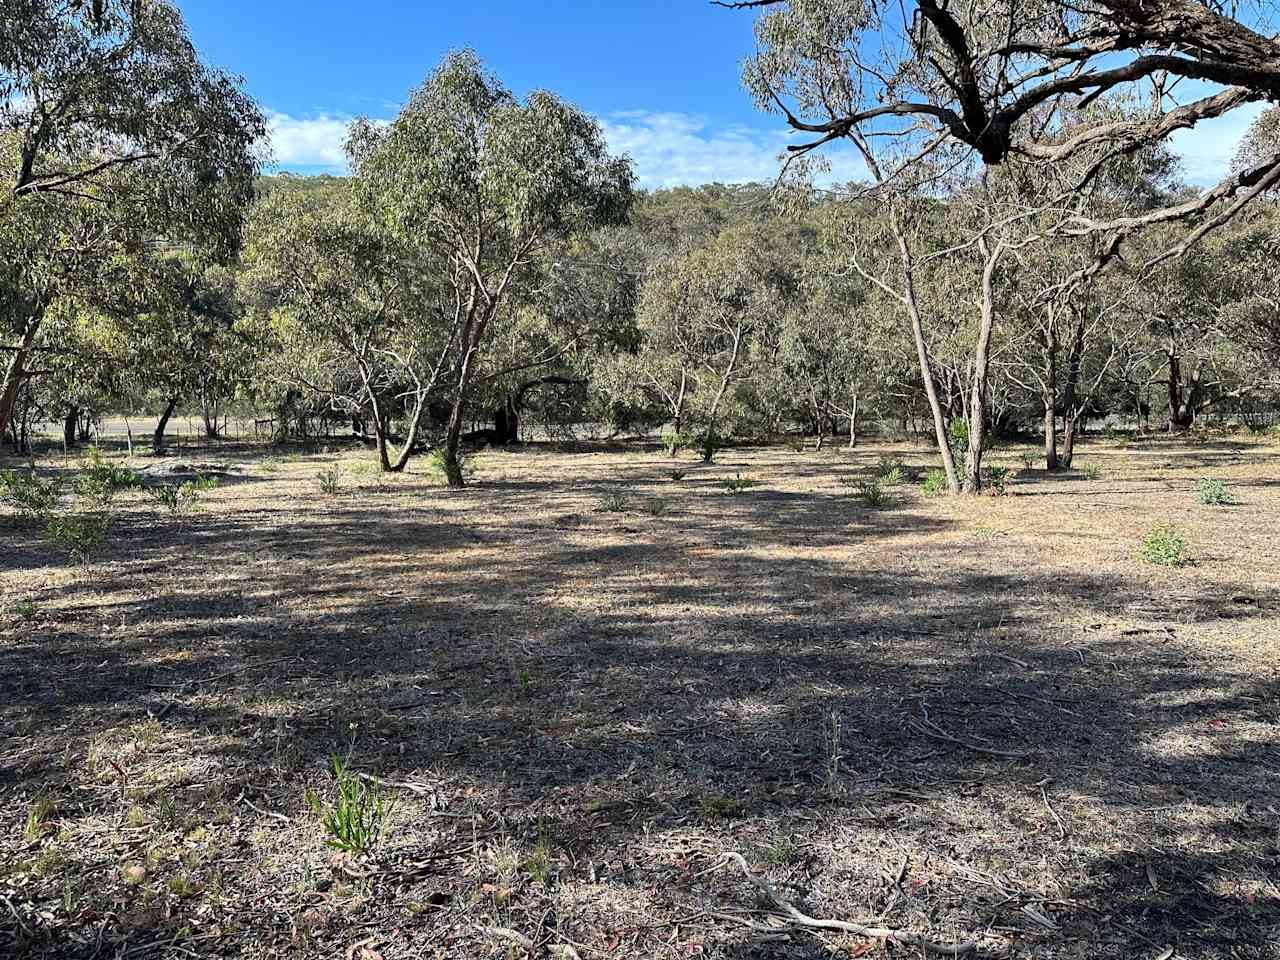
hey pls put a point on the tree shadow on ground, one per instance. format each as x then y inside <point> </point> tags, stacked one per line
<point>654,691</point>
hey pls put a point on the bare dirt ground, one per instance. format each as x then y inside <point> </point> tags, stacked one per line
<point>973,720</point>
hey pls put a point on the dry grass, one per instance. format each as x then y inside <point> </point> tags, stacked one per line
<point>966,718</point>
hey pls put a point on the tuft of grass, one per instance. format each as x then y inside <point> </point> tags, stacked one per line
<point>39,813</point>
<point>330,480</point>
<point>739,484</point>
<point>1213,493</point>
<point>1091,471</point>
<point>656,506</point>
<point>612,501</point>
<point>678,475</point>
<point>357,813</point>
<point>935,483</point>
<point>1164,546</point>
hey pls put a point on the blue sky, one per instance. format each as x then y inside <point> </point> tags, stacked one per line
<point>662,75</point>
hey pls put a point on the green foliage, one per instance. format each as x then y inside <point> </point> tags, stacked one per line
<point>39,813</point>
<point>873,493</point>
<point>1165,547</point>
<point>102,480</point>
<point>436,460</point>
<point>1213,493</point>
<point>678,475</point>
<point>709,444</point>
<point>673,443</point>
<point>80,535</point>
<point>1091,471</point>
<point>182,498</point>
<point>935,483</point>
<point>356,814</point>
<point>891,471</point>
<point>739,484</point>
<point>612,501</point>
<point>25,609</point>
<point>31,497</point>
<point>997,479</point>
<point>330,480</point>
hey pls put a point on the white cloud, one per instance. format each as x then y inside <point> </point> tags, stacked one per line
<point>668,149</point>
<point>677,149</point>
<point>1207,148</point>
<point>309,142</point>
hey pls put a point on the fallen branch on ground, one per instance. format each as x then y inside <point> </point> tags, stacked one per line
<point>798,919</point>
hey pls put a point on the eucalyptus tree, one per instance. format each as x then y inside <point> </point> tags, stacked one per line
<point>475,184</point>
<point>349,316</point>
<point>993,79</point>
<point>113,135</point>
<point>700,315</point>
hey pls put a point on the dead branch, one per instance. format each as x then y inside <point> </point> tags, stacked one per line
<point>797,919</point>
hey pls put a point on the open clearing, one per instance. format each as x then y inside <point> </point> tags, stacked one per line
<point>966,718</point>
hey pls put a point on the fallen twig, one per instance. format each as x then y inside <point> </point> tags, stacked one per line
<point>796,918</point>
<point>930,729</point>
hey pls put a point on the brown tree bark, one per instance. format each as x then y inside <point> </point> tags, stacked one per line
<point>157,439</point>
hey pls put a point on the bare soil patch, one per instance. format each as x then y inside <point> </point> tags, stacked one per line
<point>974,720</point>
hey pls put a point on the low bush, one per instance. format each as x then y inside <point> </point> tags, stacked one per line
<point>1213,493</point>
<point>739,484</point>
<point>1091,471</point>
<point>673,442</point>
<point>656,506</point>
<point>612,501</point>
<point>330,480</point>
<point>183,497</point>
<point>30,496</point>
<point>80,535</point>
<point>997,479</point>
<point>873,493</point>
<point>935,483</point>
<point>1165,547</point>
<point>891,471</point>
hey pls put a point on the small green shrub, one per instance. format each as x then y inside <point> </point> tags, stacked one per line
<point>612,501</point>
<point>1213,493</point>
<point>678,475</point>
<point>873,493</point>
<point>935,483</point>
<point>31,497</point>
<point>891,471</point>
<point>435,464</point>
<point>355,817</point>
<point>24,609</point>
<point>673,442</point>
<point>1091,471</point>
<point>1165,547</point>
<point>184,497</point>
<point>102,480</point>
<point>330,480</point>
<point>997,479</point>
<point>739,484</point>
<point>80,535</point>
